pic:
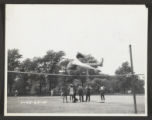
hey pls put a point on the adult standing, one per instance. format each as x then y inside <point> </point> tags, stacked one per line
<point>80,92</point>
<point>71,92</point>
<point>88,92</point>
<point>52,91</point>
<point>65,93</point>
<point>102,93</point>
<point>74,95</point>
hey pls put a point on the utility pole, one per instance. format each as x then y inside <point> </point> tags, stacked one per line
<point>133,78</point>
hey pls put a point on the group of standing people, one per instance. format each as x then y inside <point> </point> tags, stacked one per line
<point>72,91</point>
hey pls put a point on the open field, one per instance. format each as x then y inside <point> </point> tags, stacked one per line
<point>114,104</point>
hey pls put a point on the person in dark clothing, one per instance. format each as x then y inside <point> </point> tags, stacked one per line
<point>65,93</point>
<point>80,92</point>
<point>74,95</point>
<point>102,92</point>
<point>88,92</point>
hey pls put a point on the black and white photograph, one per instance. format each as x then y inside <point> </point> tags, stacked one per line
<point>75,60</point>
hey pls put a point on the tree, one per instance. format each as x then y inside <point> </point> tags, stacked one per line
<point>30,82</point>
<point>27,65</point>
<point>49,64</point>
<point>124,82</point>
<point>129,82</point>
<point>96,84</point>
<point>13,59</point>
<point>13,63</point>
<point>124,69</point>
<point>50,61</point>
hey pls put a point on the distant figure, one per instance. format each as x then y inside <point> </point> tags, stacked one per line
<point>16,92</point>
<point>71,92</point>
<point>74,95</point>
<point>52,92</point>
<point>61,92</point>
<point>102,92</point>
<point>88,92</point>
<point>80,92</point>
<point>65,93</point>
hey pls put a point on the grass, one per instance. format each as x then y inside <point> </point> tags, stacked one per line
<point>114,104</point>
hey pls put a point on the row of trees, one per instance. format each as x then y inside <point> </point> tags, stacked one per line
<point>38,84</point>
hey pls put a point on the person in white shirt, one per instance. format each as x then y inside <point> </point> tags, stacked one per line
<point>102,93</point>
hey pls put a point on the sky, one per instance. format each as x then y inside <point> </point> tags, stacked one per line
<point>100,30</point>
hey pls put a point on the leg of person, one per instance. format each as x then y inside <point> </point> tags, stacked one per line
<point>103,97</point>
<point>86,97</point>
<point>66,98</point>
<point>70,97</point>
<point>82,99</point>
<point>89,97</point>
<point>73,98</point>
<point>63,99</point>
